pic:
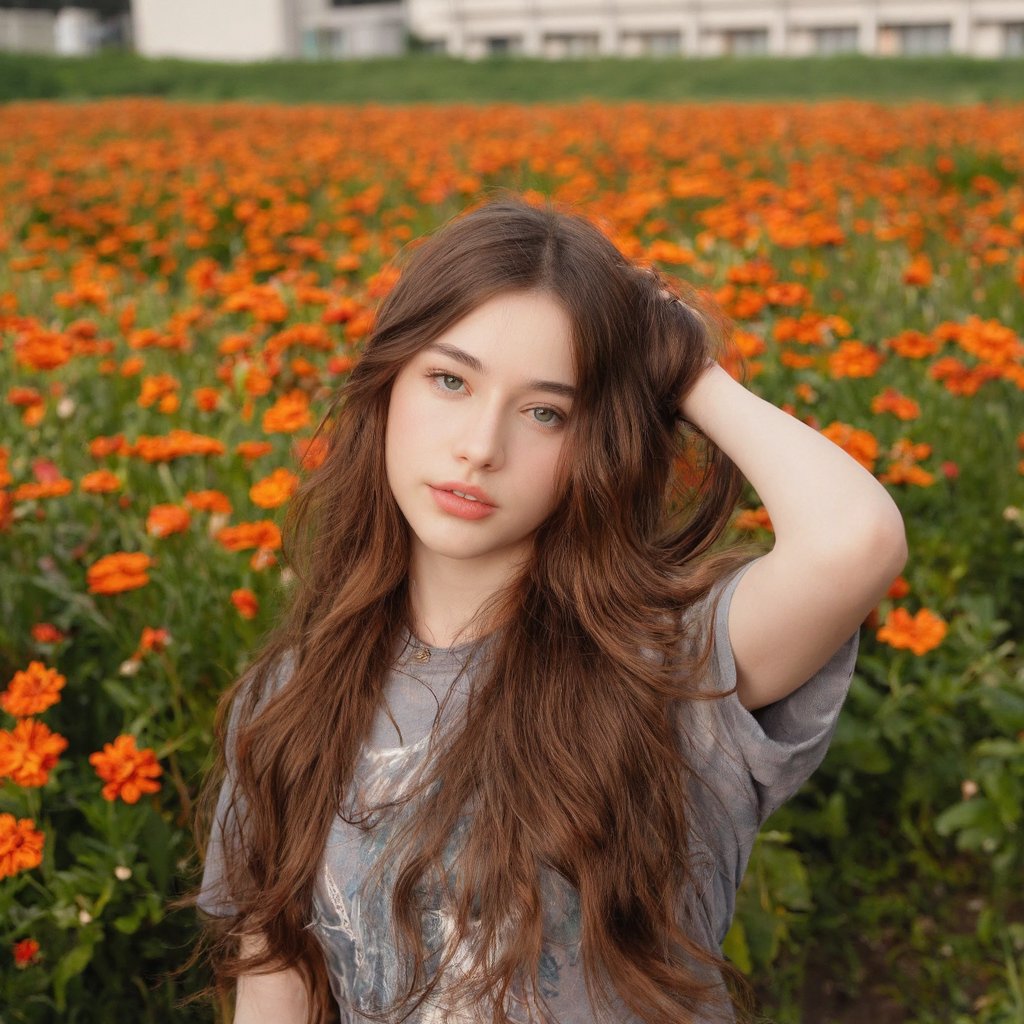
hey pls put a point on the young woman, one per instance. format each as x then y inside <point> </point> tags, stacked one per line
<point>506,753</point>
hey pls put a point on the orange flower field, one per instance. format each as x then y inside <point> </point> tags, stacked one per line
<point>183,287</point>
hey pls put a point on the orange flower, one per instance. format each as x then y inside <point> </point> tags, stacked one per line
<point>32,691</point>
<point>310,452</point>
<point>262,558</point>
<point>205,398</point>
<point>920,633</point>
<point>854,359</point>
<point>288,414</point>
<point>39,349</point>
<point>46,633</point>
<point>903,468</point>
<point>208,501</point>
<point>29,751</point>
<point>753,519</point>
<point>127,771</point>
<point>152,640</point>
<point>100,446</point>
<point>113,574</point>
<point>100,481</point>
<point>25,952</point>
<point>167,519</point>
<point>250,450</point>
<point>913,344</point>
<point>788,293</point>
<point>861,445</point>
<point>919,272</point>
<point>991,341</point>
<point>274,490</point>
<point>156,387</point>
<point>175,445</point>
<point>670,252</point>
<point>905,473</point>
<point>891,400</point>
<point>56,489</point>
<point>794,360</point>
<point>21,846</point>
<point>262,534</point>
<point>748,344</point>
<point>340,364</point>
<point>246,603</point>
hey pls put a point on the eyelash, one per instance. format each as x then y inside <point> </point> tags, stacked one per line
<point>434,374</point>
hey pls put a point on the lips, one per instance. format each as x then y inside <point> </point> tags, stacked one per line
<point>475,492</point>
<point>462,508</point>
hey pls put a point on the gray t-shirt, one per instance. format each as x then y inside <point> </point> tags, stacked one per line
<point>753,760</point>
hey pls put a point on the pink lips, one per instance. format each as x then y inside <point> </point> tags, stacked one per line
<point>461,507</point>
<point>458,485</point>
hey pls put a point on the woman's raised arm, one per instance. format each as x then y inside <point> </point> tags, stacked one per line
<point>839,538</point>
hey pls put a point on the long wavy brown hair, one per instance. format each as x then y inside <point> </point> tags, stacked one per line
<point>572,752</point>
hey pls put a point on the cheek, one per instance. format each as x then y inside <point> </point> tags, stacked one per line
<point>405,422</point>
<point>542,476</point>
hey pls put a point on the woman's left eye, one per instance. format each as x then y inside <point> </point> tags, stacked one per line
<point>548,423</point>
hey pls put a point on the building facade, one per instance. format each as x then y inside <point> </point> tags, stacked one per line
<point>245,30</point>
<point>69,32</point>
<point>474,29</point>
<point>714,28</point>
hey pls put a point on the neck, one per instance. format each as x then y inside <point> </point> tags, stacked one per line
<point>447,594</point>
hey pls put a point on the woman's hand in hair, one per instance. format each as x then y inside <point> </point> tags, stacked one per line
<point>279,996</point>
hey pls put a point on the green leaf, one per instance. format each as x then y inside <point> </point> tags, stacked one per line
<point>71,964</point>
<point>735,947</point>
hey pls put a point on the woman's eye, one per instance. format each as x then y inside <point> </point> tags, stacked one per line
<point>554,416</point>
<point>441,378</point>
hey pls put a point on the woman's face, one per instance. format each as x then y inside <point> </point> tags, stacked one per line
<point>483,406</point>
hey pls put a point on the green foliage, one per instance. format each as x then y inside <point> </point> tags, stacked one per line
<point>424,77</point>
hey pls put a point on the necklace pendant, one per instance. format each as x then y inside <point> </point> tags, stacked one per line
<point>423,654</point>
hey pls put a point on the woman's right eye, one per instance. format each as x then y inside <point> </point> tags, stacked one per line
<point>441,378</point>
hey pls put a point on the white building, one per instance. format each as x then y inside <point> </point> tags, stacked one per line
<point>26,31</point>
<point>711,28</point>
<point>69,32</point>
<point>266,29</point>
<point>244,30</point>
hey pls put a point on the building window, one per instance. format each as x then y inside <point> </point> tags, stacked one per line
<point>570,45</point>
<point>746,42</point>
<point>504,44</point>
<point>922,40</point>
<point>323,43</point>
<point>653,44</point>
<point>1013,39</point>
<point>835,39</point>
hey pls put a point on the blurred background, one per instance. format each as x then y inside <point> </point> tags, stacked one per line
<point>199,203</point>
<point>247,30</point>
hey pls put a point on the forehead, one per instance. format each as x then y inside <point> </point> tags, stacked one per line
<point>521,337</point>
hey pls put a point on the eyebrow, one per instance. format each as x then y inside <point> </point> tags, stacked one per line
<point>554,387</point>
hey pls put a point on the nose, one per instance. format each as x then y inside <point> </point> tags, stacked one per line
<point>479,441</point>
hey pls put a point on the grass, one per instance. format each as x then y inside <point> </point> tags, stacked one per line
<point>432,78</point>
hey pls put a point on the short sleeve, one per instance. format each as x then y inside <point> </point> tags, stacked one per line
<point>780,744</point>
<point>212,898</point>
